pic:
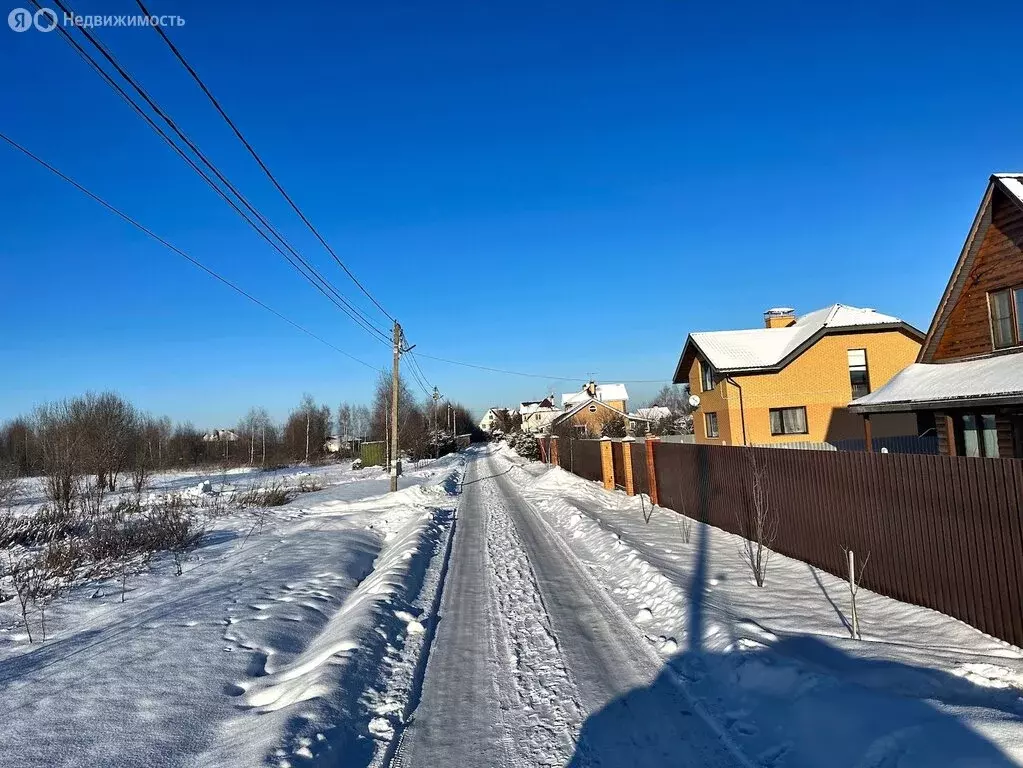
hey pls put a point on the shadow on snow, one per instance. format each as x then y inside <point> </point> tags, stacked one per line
<point>794,701</point>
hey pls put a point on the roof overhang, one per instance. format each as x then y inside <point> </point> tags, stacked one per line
<point>909,406</point>
<point>692,349</point>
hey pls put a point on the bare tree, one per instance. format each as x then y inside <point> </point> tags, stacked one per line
<point>361,419</point>
<point>9,487</point>
<point>854,588</point>
<point>61,443</point>
<point>758,523</point>
<point>307,430</point>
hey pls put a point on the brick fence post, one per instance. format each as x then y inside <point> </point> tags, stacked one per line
<point>554,451</point>
<point>628,482</point>
<point>607,465</point>
<point>651,472</point>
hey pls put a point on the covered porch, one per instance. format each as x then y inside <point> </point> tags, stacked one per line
<point>974,406</point>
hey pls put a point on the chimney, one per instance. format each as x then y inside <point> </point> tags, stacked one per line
<point>779,317</point>
<point>591,388</point>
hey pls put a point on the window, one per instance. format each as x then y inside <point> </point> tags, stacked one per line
<point>708,379</point>
<point>592,409</point>
<point>788,421</point>
<point>858,375</point>
<point>977,435</point>
<point>1006,308</point>
<point>711,422</point>
<point>580,430</point>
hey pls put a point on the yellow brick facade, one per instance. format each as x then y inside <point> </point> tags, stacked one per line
<point>595,420</point>
<point>818,380</point>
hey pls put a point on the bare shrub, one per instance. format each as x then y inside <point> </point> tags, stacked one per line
<point>46,525</point>
<point>22,579</point>
<point>173,529</point>
<point>274,495</point>
<point>758,523</point>
<point>308,485</point>
<point>31,582</point>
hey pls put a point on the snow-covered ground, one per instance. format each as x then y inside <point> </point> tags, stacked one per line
<point>294,643</point>
<point>775,666</point>
<point>493,612</point>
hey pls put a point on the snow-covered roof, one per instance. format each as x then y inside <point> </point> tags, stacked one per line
<point>767,347</point>
<point>574,409</point>
<point>653,413</point>
<point>218,435</point>
<point>991,378</point>
<point>605,393</point>
<point>533,406</point>
<point>1013,182</point>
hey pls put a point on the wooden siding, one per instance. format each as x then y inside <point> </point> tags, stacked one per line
<point>999,264</point>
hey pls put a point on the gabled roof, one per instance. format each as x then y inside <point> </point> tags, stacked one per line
<point>605,392</point>
<point>1011,186</point>
<point>653,413</point>
<point>763,350</point>
<point>991,381</point>
<point>600,404</point>
<point>533,406</point>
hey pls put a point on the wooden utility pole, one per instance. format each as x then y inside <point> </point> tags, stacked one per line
<point>436,440</point>
<point>394,408</point>
<point>308,415</point>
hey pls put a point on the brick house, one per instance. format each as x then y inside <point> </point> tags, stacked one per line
<point>792,380</point>
<point>614,395</point>
<point>967,382</point>
<point>586,418</point>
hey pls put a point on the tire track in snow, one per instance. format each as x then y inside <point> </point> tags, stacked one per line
<point>543,714</point>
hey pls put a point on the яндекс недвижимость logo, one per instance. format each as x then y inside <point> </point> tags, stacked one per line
<point>22,19</point>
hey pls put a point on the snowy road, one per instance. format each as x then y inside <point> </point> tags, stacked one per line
<point>533,664</point>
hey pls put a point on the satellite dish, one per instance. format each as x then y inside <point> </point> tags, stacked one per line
<point>694,401</point>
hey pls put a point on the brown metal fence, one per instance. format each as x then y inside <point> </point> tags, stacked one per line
<point>586,457</point>
<point>940,531</point>
<point>639,478</point>
<point>943,532</point>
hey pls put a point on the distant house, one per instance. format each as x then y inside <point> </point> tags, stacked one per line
<point>337,444</point>
<point>792,380</point>
<point>967,381</point>
<point>220,436</point>
<point>493,418</point>
<point>537,415</point>
<point>653,413</point>
<point>586,418</point>
<point>614,395</point>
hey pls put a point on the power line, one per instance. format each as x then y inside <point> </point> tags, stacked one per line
<point>237,132</point>
<point>195,262</point>
<point>418,375</point>
<point>313,276</point>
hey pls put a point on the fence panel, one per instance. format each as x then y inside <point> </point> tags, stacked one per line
<point>587,459</point>
<point>618,462</point>
<point>943,532</point>
<point>639,478</point>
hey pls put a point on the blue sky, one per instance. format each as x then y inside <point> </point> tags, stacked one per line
<point>562,188</point>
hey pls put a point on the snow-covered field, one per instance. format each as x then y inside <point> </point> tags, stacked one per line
<point>775,666</point>
<point>278,645</point>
